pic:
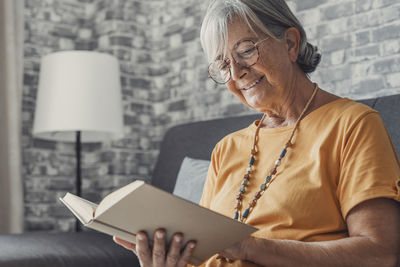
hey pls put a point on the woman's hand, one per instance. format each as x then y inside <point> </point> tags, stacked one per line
<point>159,256</point>
<point>239,251</point>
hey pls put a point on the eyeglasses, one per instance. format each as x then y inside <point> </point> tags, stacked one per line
<point>245,53</point>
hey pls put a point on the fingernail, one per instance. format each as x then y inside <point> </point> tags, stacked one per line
<point>192,245</point>
<point>178,239</point>
<point>140,237</point>
<point>159,235</point>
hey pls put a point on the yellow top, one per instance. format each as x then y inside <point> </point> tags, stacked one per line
<point>341,156</point>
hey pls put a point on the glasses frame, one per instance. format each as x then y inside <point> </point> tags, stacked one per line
<point>230,73</point>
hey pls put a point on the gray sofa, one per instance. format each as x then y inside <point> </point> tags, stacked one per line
<point>195,140</point>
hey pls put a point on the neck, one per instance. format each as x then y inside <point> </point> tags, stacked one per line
<point>288,108</point>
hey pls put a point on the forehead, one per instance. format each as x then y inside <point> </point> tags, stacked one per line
<point>239,30</point>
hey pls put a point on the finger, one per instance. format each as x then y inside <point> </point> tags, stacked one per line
<point>187,254</point>
<point>174,250</point>
<point>159,248</point>
<point>125,244</point>
<point>143,250</point>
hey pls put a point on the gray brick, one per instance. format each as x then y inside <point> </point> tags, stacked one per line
<point>368,85</point>
<point>336,43</point>
<point>121,40</point>
<point>335,74</point>
<point>177,105</point>
<point>44,144</point>
<point>140,83</point>
<point>307,4</point>
<point>363,5</point>
<point>341,9</point>
<point>362,38</point>
<point>386,32</point>
<point>387,65</point>
<point>42,224</point>
<point>382,3</point>
<point>366,52</point>
<point>190,35</point>
<point>176,53</point>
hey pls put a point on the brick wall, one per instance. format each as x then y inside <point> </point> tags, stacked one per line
<point>164,81</point>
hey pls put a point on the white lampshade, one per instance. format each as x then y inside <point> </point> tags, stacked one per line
<point>79,91</point>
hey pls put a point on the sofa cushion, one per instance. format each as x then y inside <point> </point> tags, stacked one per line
<point>191,178</point>
<point>62,250</point>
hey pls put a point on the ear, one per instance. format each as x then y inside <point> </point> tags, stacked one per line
<point>292,37</point>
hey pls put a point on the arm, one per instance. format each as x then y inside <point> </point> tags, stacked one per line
<point>374,240</point>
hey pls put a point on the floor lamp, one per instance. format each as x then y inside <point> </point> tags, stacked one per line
<point>79,100</point>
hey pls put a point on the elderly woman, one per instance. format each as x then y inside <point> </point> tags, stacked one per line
<point>318,174</point>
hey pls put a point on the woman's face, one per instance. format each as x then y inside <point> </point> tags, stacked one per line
<point>266,83</point>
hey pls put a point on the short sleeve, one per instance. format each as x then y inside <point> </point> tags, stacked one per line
<point>369,164</point>
<point>209,185</point>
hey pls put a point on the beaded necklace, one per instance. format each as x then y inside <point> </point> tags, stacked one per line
<point>271,175</point>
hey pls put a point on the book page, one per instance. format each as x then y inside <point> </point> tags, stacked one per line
<point>116,196</point>
<point>81,208</point>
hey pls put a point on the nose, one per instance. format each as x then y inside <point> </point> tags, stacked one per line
<point>237,71</point>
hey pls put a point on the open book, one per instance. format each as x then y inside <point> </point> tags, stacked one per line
<point>140,206</point>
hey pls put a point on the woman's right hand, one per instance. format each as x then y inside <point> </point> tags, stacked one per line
<point>158,255</point>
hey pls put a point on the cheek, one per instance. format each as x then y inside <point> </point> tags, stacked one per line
<point>231,86</point>
<point>274,67</point>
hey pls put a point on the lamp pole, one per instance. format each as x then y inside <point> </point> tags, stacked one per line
<point>78,181</point>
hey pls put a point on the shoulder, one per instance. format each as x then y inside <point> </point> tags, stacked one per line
<point>348,113</point>
<point>347,108</point>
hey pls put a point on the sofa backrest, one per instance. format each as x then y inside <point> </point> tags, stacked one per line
<point>197,139</point>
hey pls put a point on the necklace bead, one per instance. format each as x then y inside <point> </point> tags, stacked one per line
<point>246,213</point>
<point>283,153</point>
<point>251,161</point>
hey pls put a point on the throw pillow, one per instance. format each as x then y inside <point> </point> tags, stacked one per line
<point>191,178</point>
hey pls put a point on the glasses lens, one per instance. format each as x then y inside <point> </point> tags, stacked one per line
<point>219,71</point>
<point>246,53</point>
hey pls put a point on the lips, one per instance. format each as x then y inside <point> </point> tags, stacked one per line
<point>253,84</point>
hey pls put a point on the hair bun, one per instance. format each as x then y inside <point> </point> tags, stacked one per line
<point>309,58</point>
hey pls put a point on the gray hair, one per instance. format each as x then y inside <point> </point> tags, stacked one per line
<point>272,17</point>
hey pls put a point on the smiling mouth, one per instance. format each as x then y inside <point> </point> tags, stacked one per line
<point>253,84</point>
